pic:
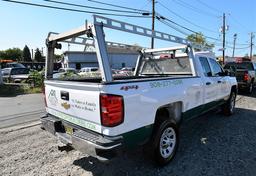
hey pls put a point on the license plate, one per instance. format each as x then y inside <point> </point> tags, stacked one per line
<point>69,130</point>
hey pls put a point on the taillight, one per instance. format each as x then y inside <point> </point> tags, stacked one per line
<point>112,110</point>
<point>43,91</point>
<point>246,76</point>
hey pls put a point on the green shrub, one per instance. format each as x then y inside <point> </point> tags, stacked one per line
<point>36,78</point>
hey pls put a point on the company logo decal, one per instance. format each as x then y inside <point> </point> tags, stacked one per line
<point>65,105</point>
<point>52,98</point>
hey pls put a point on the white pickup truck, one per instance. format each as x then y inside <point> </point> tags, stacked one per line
<point>103,116</point>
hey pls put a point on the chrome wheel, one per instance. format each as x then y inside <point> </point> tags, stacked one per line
<point>167,142</point>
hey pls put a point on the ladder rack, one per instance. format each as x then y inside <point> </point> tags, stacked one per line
<point>90,42</point>
<point>134,29</point>
<point>95,30</point>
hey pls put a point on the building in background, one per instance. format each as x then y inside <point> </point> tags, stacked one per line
<point>118,58</point>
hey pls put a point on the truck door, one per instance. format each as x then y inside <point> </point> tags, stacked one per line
<point>210,86</point>
<point>221,80</point>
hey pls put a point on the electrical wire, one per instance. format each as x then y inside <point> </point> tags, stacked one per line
<point>181,17</point>
<point>164,18</point>
<point>210,7</point>
<point>193,8</point>
<point>92,7</point>
<point>118,6</point>
<point>188,29</point>
<point>74,10</point>
<point>240,25</point>
<point>173,27</point>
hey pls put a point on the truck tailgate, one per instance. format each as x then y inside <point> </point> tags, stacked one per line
<point>240,74</point>
<point>77,103</point>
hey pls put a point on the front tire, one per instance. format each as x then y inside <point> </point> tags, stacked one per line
<point>229,107</point>
<point>165,142</point>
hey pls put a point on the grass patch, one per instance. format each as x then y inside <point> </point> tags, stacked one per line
<point>7,90</point>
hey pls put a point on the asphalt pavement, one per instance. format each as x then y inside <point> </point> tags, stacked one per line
<point>20,109</point>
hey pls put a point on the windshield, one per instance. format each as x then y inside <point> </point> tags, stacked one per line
<point>15,65</point>
<point>242,65</point>
<point>19,71</point>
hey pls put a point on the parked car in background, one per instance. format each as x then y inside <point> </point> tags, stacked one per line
<point>1,79</point>
<point>245,73</point>
<point>64,71</point>
<point>89,69</point>
<point>14,65</point>
<point>127,71</point>
<point>15,75</point>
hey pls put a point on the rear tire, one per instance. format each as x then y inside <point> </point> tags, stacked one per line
<point>165,142</point>
<point>229,107</point>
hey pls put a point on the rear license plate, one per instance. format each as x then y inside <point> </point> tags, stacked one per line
<point>69,130</point>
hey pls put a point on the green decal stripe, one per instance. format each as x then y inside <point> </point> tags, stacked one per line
<point>194,112</point>
<point>74,120</point>
<point>138,136</point>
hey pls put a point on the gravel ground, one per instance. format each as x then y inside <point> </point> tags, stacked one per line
<point>210,145</point>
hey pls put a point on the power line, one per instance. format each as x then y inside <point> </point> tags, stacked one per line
<point>176,14</point>
<point>92,7</point>
<point>240,25</point>
<point>164,18</point>
<point>195,9</point>
<point>181,26</point>
<point>173,27</point>
<point>210,7</point>
<point>188,29</point>
<point>118,6</point>
<point>73,10</point>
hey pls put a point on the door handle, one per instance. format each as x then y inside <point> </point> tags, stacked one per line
<point>64,95</point>
<point>208,83</point>
<point>219,82</point>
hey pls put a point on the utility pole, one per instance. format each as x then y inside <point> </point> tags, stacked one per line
<point>32,54</point>
<point>153,23</point>
<point>234,45</point>
<point>251,44</point>
<point>224,35</point>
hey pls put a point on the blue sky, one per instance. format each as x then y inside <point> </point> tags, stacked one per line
<point>21,24</point>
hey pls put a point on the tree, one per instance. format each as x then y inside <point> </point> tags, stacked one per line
<point>11,53</point>
<point>199,39</point>
<point>26,54</point>
<point>58,57</point>
<point>38,56</point>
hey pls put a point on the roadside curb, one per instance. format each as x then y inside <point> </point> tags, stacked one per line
<point>20,127</point>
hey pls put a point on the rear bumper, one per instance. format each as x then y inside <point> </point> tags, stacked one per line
<point>93,144</point>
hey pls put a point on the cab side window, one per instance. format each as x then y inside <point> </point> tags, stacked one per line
<point>205,65</point>
<point>216,68</point>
